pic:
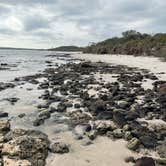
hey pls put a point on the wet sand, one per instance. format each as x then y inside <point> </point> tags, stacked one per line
<point>103,152</point>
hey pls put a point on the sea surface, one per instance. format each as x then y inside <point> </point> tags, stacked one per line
<point>24,62</point>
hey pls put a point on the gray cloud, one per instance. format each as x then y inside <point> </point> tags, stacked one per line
<point>6,31</point>
<point>4,10</point>
<point>62,22</point>
<point>35,22</point>
<point>27,2</point>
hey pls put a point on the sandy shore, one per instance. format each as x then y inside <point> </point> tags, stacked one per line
<point>41,100</point>
<point>151,63</point>
<point>103,152</point>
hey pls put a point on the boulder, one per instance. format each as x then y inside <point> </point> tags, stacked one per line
<point>106,115</point>
<point>147,137</point>
<point>131,115</point>
<point>92,135</point>
<point>4,127</point>
<point>15,162</point>
<point>103,127</point>
<point>162,150</point>
<point>69,104</point>
<point>162,88</point>
<point>28,145</point>
<point>119,117</point>
<point>12,100</point>
<point>148,141</point>
<point>44,114</point>
<point>77,105</point>
<point>61,107</point>
<point>42,106</point>
<point>118,133</point>
<point>3,114</point>
<point>126,127</point>
<point>38,121</point>
<point>59,147</point>
<point>145,161</point>
<point>21,115</point>
<point>123,104</point>
<point>133,144</point>
<point>161,161</point>
<point>97,107</point>
<point>128,135</point>
<point>79,117</point>
<point>129,159</point>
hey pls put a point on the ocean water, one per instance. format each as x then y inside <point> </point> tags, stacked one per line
<point>24,62</point>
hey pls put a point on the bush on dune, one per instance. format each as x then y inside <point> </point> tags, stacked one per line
<point>131,43</point>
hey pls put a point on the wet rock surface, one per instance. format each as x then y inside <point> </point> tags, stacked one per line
<point>59,147</point>
<point>4,86</point>
<point>145,161</point>
<point>113,109</point>
<point>23,147</point>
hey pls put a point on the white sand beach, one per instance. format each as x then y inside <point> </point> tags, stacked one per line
<point>153,64</point>
<point>103,152</point>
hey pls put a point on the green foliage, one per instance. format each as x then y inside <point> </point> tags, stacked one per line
<point>162,53</point>
<point>131,43</point>
<point>67,48</point>
<point>131,34</point>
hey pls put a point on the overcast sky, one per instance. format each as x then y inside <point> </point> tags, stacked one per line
<point>50,23</point>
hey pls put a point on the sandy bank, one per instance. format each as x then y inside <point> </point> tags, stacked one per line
<point>151,63</point>
<point>102,152</point>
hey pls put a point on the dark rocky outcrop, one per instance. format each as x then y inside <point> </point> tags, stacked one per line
<point>27,147</point>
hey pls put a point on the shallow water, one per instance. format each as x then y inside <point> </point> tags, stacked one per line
<point>24,62</point>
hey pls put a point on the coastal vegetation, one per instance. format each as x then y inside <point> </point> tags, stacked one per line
<point>67,48</point>
<point>131,43</point>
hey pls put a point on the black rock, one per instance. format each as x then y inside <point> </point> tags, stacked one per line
<point>119,117</point>
<point>61,107</point>
<point>162,150</point>
<point>77,105</point>
<point>3,114</point>
<point>106,115</point>
<point>148,141</point>
<point>38,122</point>
<point>21,115</point>
<point>97,107</point>
<point>145,161</point>
<point>131,115</point>
<point>59,147</point>
<point>12,100</point>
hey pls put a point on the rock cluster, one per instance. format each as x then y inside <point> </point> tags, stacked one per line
<point>22,147</point>
<point>114,111</point>
<point>118,103</point>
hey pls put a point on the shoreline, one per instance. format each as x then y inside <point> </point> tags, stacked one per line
<point>89,101</point>
<point>154,64</point>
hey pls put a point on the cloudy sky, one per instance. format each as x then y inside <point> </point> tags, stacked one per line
<point>50,23</point>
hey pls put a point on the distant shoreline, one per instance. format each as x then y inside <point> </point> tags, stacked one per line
<point>12,48</point>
